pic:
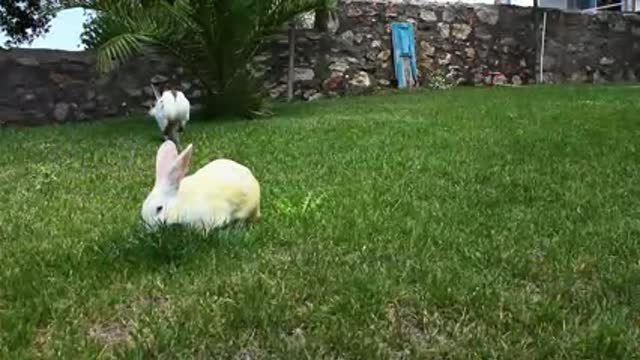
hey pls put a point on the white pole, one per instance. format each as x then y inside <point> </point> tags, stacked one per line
<point>595,9</point>
<point>544,33</point>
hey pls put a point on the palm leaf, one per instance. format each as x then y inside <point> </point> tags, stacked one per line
<point>119,49</point>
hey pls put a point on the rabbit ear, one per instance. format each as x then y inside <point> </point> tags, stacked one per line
<point>155,92</point>
<point>167,154</point>
<point>180,166</point>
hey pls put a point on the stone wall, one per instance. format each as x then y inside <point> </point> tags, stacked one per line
<point>592,48</point>
<point>462,42</point>
<point>45,86</point>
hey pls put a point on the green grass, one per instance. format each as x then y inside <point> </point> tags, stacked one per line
<point>474,223</point>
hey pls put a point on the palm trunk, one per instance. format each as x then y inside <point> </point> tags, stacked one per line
<point>322,20</point>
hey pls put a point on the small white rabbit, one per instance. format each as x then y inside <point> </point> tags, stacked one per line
<point>219,193</point>
<point>171,111</point>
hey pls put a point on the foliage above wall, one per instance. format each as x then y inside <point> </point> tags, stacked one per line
<point>24,20</point>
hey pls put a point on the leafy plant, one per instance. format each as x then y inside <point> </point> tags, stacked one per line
<point>438,80</point>
<point>214,39</point>
<point>24,20</point>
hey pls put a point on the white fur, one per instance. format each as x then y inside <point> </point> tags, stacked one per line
<point>219,193</point>
<point>170,109</point>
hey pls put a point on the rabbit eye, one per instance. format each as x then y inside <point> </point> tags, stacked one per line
<point>158,209</point>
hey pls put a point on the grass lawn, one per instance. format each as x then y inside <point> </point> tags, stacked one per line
<point>470,223</point>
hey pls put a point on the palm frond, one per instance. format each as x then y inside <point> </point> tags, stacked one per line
<point>119,49</point>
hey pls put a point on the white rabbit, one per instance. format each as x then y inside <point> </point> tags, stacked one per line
<point>219,193</point>
<point>171,111</point>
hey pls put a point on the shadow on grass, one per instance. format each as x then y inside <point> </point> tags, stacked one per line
<point>169,245</point>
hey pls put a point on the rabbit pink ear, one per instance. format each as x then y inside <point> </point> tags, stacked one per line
<point>155,92</point>
<point>167,154</point>
<point>181,165</point>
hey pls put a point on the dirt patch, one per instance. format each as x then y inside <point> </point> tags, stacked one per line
<point>110,333</point>
<point>41,341</point>
<point>430,333</point>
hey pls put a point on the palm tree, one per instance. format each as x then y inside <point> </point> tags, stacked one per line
<point>214,39</point>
